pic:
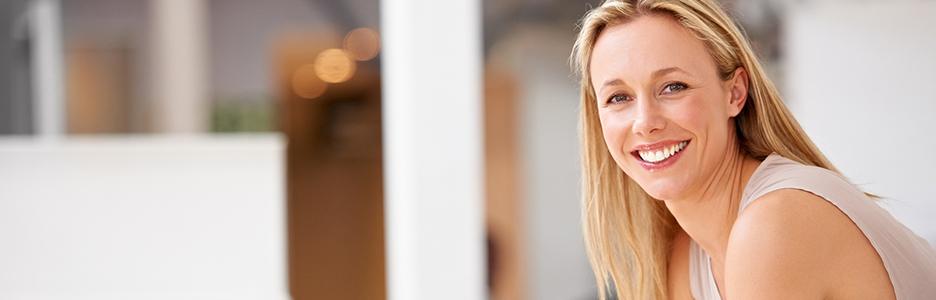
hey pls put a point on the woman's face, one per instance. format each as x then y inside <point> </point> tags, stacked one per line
<point>665,113</point>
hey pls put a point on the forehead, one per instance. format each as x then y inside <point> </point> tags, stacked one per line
<point>631,51</point>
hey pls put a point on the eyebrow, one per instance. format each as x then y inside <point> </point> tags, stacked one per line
<point>655,74</point>
<point>664,71</point>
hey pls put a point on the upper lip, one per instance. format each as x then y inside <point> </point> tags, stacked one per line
<point>657,145</point>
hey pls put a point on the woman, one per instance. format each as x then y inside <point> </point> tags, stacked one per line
<point>698,182</point>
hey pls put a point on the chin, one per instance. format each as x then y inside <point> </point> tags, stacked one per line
<point>662,188</point>
<point>659,188</point>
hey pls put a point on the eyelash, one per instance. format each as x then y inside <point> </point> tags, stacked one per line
<point>611,99</point>
<point>682,87</point>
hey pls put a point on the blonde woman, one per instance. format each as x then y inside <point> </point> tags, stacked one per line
<point>699,184</point>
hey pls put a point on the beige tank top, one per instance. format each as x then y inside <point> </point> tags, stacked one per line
<point>910,261</point>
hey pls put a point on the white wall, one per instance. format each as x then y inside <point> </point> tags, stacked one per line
<point>858,79</point>
<point>143,218</point>
<point>548,109</point>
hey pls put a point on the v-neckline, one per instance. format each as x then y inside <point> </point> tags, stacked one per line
<point>711,271</point>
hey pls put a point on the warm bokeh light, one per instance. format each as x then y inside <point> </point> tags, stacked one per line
<point>362,43</point>
<point>334,66</point>
<point>306,84</point>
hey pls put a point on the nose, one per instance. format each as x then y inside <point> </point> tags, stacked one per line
<point>648,119</point>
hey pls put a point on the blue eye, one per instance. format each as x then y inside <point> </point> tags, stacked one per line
<point>674,87</point>
<point>615,99</point>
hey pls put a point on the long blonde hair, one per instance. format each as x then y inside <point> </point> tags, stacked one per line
<point>627,233</point>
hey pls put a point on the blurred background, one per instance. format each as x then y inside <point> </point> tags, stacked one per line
<point>234,149</point>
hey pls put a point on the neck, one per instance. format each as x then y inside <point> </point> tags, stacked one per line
<point>708,214</point>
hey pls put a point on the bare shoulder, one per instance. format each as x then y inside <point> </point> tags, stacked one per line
<point>788,244</point>
<point>678,269</point>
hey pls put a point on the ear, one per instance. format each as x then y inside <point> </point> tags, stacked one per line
<point>738,87</point>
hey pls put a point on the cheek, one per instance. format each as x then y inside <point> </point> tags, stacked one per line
<point>704,119</point>
<point>694,114</point>
<point>615,128</point>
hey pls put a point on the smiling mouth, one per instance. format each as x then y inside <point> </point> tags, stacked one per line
<point>660,155</point>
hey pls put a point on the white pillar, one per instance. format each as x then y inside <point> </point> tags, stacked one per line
<point>431,74</point>
<point>47,78</point>
<point>178,43</point>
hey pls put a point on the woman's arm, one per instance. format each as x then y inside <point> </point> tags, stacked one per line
<point>785,245</point>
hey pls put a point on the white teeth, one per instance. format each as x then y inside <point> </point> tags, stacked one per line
<point>660,155</point>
